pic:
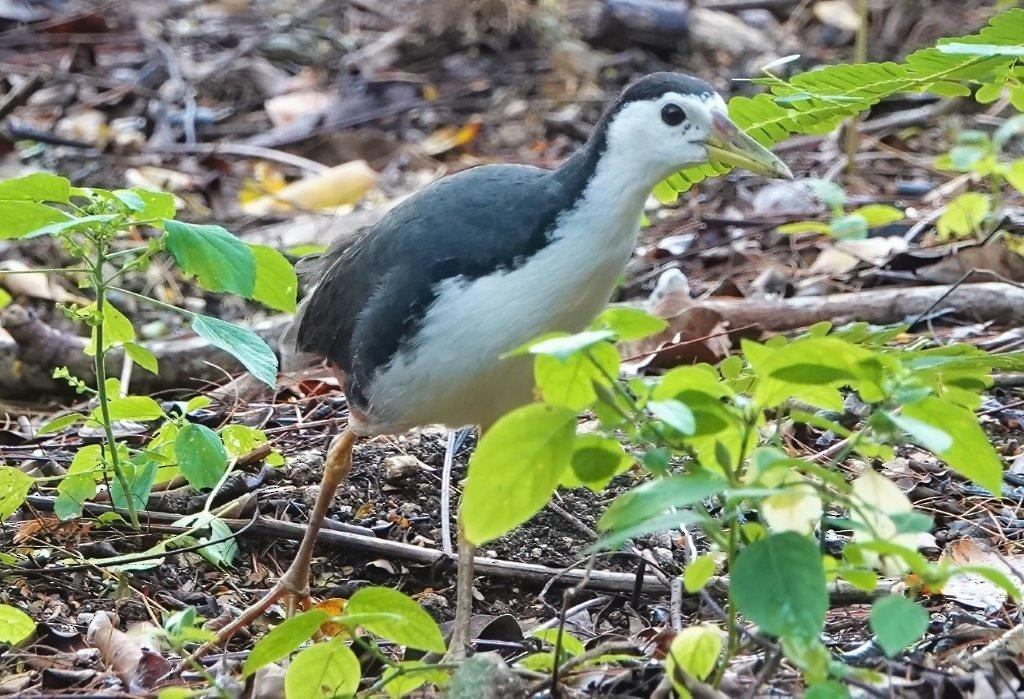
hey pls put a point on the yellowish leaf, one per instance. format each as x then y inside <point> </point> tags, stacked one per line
<point>341,185</point>
<point>448,137</point>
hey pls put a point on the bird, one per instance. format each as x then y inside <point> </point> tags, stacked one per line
<point>417,313</point>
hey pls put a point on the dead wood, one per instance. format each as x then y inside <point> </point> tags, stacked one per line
<point>990,301</point>
<point>34,349</point>
<point>840,592</point>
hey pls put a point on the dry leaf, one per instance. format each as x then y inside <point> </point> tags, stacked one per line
<point>989,262</point>
<point>843,257</point>
<point>334,606</point>
<point>283,110</point>
<point>793,509</point>
<point>123,653</point>
<point>974,590</point>
<point>838,14</point>
<point>339,186</point>
<point>37,285</point>
<point>89,126</point>
<point>448,137</point>
<point>149,177</point>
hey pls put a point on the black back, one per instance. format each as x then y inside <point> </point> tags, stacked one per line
<point>372,288</point>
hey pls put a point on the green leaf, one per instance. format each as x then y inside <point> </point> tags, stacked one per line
<point>595,461</point>
<point>201,455</point>
<point>988,93</point>
<point>59,423</point>
<point>20,218</point>
<point>698,572</point>
<point>829,193</point>
<point>629,323</point>
<point>71,224</point>
<point>674,414</point>
<point>223,553</point>
<point>878,214</point>
<point>242,343</point>
<point>117,328</point>
<point>798,227</point>
<point>140,473</point>
<point>131,408</point>
<point>142,356</point>
<point>897,622</point>
<point>323,670</point>
<point>656,496</point>
<point>779,583</point>
<point>1015,175</point>
<point>239,440</point>
<point>276,283</point>
<point>79,483</point>
<point>407,676</point>
<point>283,639</point>
<point>971,454</point>
<point>562,346</point>
<point>154,204</point>
<point>982,49</point>
<point>14,486</point>
<point>515,469</point>
<point>932,439</point>
<point>695,650</point>
<point>849,227</point>
<point>15,625</point>
<point>945,88</point>
<point>403,620</point>
<point>570,381</point>
<point>39,186</point>
<point>571,646</point>
<point>219,260</point>
<point>827,690</point>
<point>963,216</point>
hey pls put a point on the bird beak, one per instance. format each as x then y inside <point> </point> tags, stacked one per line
<point>729,145</point>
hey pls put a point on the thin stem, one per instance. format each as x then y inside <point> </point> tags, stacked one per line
<point>860,55</point>
<point>732,613</point>
<point>45,270</point>
<point>155,302</point>
<point>101,388</point>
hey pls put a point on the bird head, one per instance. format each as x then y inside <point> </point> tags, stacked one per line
<point>667,121</point>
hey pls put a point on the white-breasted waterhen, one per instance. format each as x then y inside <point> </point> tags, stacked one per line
<point>416,312</point>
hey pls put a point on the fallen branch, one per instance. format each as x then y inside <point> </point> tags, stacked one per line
<point>989,301</point>
<point>35,349</point>
<point>27,363</point>
<point>840,592</point>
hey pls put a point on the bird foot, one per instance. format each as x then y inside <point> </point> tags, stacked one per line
<point>292,587</point>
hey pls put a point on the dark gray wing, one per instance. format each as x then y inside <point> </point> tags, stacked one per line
<point>374,288</point>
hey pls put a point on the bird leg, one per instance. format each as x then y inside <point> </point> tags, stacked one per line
<point>295,582</point>
<point>460,639</point>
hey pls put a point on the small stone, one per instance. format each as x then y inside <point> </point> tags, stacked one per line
<point>402,466</point>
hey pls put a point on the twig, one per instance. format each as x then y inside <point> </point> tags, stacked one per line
<point>841,592</point>
<point>240,150</point>
<point>21,94</point>
<point>571,612</point>
<point>122,560</point>
<point>917,319</point>
<point>567,597</point>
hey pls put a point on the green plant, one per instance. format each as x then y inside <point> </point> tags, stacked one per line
<point>331,667</point>
<point>987,63</point>
<point>98,229</point>
<point>844,225</point>
<point>714,439</point>
<point>986,156</point>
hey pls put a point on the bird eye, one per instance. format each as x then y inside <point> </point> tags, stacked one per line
<point>673,114</point>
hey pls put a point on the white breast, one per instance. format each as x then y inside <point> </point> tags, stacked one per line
<point>453,373</point>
